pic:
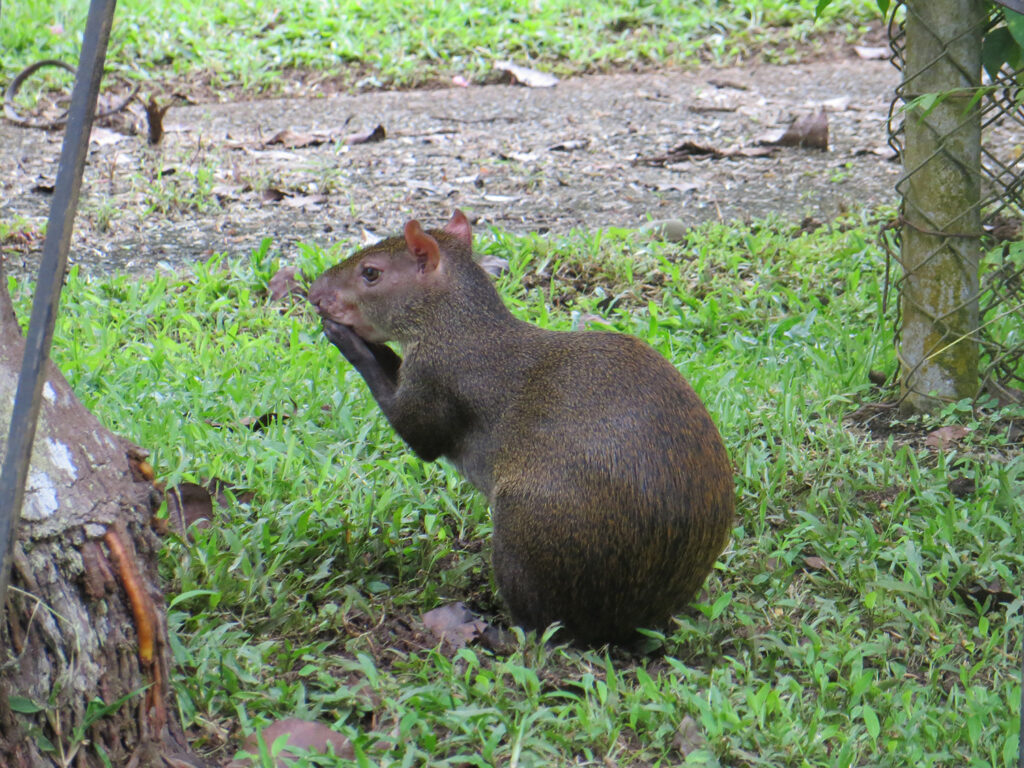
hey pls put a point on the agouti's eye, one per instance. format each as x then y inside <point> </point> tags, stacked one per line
<point>371,275</point>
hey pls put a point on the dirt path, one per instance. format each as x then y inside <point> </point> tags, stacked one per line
<point>523,159</point>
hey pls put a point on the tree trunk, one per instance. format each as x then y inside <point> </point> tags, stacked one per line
<point>942,222</point>
<point>85,657</point>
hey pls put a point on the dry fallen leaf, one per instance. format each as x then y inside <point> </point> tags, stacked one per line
<point>272,195</point>
<point>302,734</point>
<point>962,487</point>
<point>570,146</point>
<point>295,140</point>
<point>946,437</point>
<point>528,77</point>
<point>493,265</point>
<point>264,420</point>
<point>367,137</point>
<point>104,136</point>
<point>1003,228</point>
<point>837,104</point>
<point>189,504</point>
<point>992,593</point>
<point>454,624</point>
<point>688,737</point>
<point>304,201</point>
<point>285,282</point>
<point>872,52</point>
<point>806,131</point>
<point>882,150</point>
<point>227,192</point>
<point>679,186</point>
<point>691,149</point>
<point>815,563</point>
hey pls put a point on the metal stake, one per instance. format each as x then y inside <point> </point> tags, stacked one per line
<point>51,278</point>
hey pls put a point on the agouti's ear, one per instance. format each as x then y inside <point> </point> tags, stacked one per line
<point>422,246</point>
<point>458,226</point>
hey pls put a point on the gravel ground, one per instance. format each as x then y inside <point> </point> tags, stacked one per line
<point>523,159</point>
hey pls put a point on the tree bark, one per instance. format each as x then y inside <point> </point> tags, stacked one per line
<point>85,659</point>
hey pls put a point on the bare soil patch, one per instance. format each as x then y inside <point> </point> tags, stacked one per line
<point>519,158</point>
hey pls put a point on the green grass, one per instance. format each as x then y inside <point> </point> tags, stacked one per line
<point>831,633</point>
<point>253,46</point>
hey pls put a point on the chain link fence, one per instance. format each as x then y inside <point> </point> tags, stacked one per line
<point>975,249</point>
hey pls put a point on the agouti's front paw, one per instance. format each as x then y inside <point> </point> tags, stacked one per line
<point>346,340</point>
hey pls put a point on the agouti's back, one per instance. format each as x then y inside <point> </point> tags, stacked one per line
<point>612,493</point>
<point>609,485</point>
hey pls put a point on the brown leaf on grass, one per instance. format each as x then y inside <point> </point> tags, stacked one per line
<point>810,131</point>
<point>255,423</point>
<point>304,201</point>
<point>104,137</point>
<point>1003,228</point>
<point>693,149</point>
<point>295,140</point>
<point>721,82</point>
<point>688,737</point>
<point>814,563</point>
<point>962,487</point>
<point>992,596</point>
<point>871,411</point>
<point>495,266</point>
<point>836,104</point>
<point>220,489</point>
<point>304,735</point>
<point>531,78</point>
<point>189,504</point>
<point>570,146</point>
<point>454,624</point>
<point>367,137</point>
<point>883,151</point>
<point>285,282</point>
<point>946,437</point>
<point>272,195</point>
<point>227,192</point>
<point>261,422</point>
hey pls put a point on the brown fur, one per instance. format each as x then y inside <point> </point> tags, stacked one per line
<point>610,487</point>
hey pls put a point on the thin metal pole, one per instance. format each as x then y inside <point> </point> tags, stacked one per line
<point>51,278</point>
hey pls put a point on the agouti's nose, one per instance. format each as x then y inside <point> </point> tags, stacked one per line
<point>316,296</point>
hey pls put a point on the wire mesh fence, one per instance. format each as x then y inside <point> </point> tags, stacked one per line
<point>975,247</point>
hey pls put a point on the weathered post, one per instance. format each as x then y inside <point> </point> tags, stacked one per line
<point>942,189</point>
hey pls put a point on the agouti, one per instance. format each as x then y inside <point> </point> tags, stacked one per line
<point>609,486</point>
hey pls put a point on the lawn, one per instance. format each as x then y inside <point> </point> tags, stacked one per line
<point>857,618</point>
<point>867,611</point>
<point>259,46</point>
